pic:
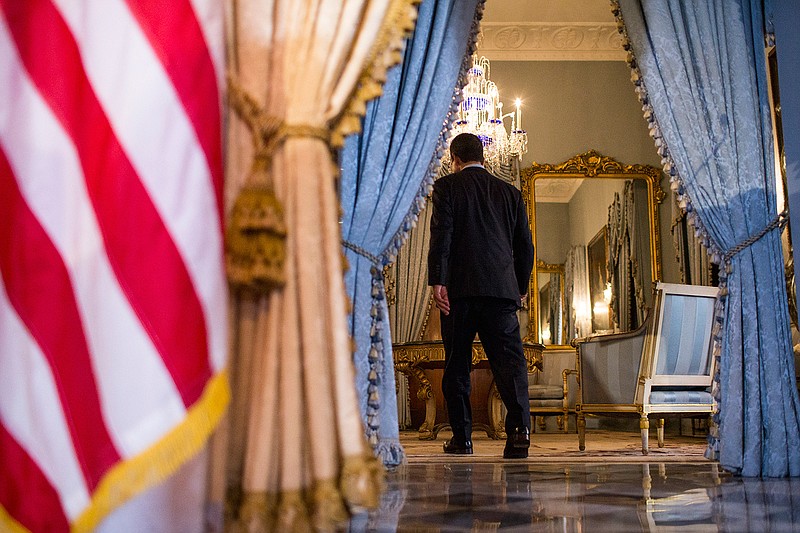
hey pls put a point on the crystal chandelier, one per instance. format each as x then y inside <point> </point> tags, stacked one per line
<point>481,113</point>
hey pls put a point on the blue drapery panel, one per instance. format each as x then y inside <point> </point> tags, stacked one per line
<point>700,72</point>
<point>387,171</point>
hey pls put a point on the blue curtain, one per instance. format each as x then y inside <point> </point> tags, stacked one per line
<point>699,70</point>
<point>387,171</point>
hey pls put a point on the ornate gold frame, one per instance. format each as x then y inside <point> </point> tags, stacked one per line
<point>544,268</point>
<point>590,165</point>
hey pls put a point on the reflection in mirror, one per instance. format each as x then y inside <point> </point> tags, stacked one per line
<point>599,285</point>
<point>594,223</point>
<point>551,303</point>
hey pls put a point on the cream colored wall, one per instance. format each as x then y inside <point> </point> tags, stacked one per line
<point>569,107</point>
<point>552,233</point>
<point>588,209</point>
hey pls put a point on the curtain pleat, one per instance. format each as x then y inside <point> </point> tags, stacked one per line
<point>617,263</point>
<point>576,283</point>
<point>629,256</point>
<point>700,72</point>
<point>387,170</point>
<point>407,316</point>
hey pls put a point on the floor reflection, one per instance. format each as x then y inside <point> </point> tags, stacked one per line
<point>508,496</point>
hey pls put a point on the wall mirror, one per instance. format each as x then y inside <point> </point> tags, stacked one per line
<point>595,229</point>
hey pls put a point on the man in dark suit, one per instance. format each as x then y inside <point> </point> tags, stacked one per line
<point>479,264</point>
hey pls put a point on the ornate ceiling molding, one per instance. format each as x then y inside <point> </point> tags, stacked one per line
<point>561,41</point>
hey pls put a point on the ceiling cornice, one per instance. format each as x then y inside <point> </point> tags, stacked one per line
<point>556,190</point>
<point>553,41</point>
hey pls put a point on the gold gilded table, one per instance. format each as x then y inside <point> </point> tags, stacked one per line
<point>413,358</point>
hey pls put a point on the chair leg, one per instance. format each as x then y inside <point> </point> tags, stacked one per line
<point>496,419</point>
<point>581,423</point>
<point>542,423</point>
<point>560,420</point>
<point>644,425</point>
<point>647,481</point>
<point>660,431</point>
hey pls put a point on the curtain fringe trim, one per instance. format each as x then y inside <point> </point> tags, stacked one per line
<point>321,507</point>
<point>718,256</point>
<point>398,23</point>
<point>151,467</point>
<point>391,453</point>
<point>389,254</point>
<point>375,357</point>
<point>667,162</point>
<point>7,523</point>
<point>685,205</point>
<point>410,220</point>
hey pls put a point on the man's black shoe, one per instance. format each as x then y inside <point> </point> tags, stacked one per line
<point>458,448</point>
<point>517,444</point>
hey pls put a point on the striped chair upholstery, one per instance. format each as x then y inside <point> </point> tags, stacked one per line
<point>683,351</point>
<point>662,369</point>
<point>685,336</point>
<point>611,364</point>
<point>658,396</point>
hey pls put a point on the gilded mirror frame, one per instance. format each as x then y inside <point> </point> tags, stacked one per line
<point>589,165</point>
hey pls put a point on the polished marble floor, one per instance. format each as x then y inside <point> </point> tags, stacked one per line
<point>482,494</point>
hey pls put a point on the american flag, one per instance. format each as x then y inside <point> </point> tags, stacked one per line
<point>112,293</point>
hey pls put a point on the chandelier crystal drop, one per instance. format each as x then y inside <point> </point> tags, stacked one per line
<point>481,113</point>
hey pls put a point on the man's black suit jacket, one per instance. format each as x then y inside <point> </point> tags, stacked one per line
<point>480,239</point>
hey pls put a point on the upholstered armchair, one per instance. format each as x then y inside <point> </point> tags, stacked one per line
<point>547,399</point>
<point>662,369</point>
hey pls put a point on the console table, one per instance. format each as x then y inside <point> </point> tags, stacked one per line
<point>413,358</point>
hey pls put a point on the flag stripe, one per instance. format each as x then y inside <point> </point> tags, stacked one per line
<point>211,16</point>
<point>29,396</point>
<point>135,236</point>
<point>37,283</point>
<point>160,142</point>
<point>126,363</point>
<point>111,266</point>
<point>177,39</point>
<point>32,500</point>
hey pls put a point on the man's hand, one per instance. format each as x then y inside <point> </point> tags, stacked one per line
<point>523,299</point>
<point>441,299</point>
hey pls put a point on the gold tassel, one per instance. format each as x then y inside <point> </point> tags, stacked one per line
<point>256,241</point>
<point>256,236</point>
<point>293,513</point>
<point>328,507</point>
<point>362,481</point>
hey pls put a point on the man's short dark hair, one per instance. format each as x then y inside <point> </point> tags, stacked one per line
<point>467,147</point>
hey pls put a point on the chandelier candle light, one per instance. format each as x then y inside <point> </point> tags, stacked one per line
<point>481,113</point>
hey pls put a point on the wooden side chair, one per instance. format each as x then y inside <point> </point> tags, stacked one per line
<point>549,399</point>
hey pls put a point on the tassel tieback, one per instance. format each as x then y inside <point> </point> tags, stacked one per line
<point>256,236</point>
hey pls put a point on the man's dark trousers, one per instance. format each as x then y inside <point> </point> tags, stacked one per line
<point>495,322</point>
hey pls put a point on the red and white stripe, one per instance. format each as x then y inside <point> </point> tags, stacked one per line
<point>112,292</point>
